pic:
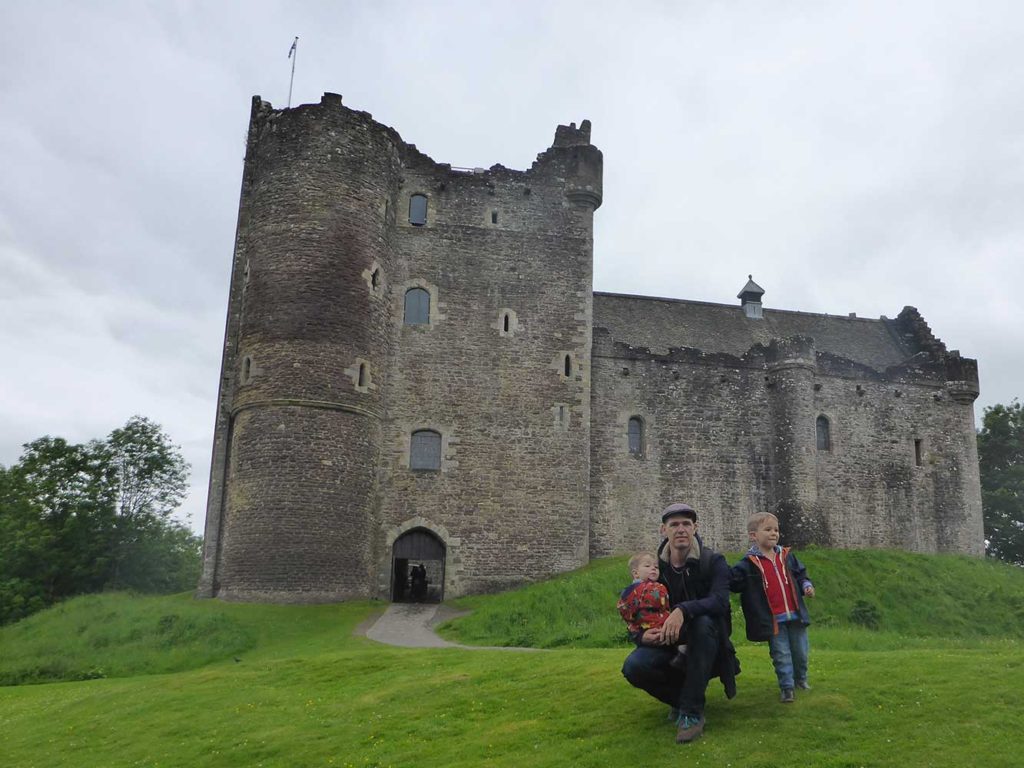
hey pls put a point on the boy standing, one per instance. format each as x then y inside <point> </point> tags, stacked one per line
<point>772,584</point>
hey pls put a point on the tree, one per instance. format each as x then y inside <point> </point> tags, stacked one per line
<point>1001,454</point>
<point>84,518</point>
<point>148,479</point>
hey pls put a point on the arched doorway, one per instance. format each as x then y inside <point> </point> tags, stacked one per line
<point>417,568</point>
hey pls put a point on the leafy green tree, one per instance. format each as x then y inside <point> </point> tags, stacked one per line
<point>148,479</point>
<point>25,544</point>
<point>84,518</point>
<point>1001,454</point>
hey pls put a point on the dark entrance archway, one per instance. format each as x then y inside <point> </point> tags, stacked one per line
<point>417,568</point>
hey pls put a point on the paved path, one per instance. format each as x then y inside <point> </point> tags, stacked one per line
<point>412,625</point>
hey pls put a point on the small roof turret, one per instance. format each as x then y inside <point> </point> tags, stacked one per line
<point>751,291</point>
<point>750,298</point>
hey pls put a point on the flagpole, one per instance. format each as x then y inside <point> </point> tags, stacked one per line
<point>293,54</point>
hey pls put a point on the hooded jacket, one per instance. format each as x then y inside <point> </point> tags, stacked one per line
<point>706,584</point>
<point>747,578</point>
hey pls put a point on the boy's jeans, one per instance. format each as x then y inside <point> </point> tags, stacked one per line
<point>789,653</point>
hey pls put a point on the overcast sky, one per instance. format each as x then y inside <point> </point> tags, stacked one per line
<point>853,157</point>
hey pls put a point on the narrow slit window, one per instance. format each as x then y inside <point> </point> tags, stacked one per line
<point>362,375</point>
<point>568,365</point>
<point>417,306</point>
<point>636,436</point>
<point>824,434</point>
<point>425,450</point>
<point>494,217</point>
<point>418,210</point>
<point>919,452</point>
<point>246,369</point>
<point>375,278</point>
<point>505,322</point>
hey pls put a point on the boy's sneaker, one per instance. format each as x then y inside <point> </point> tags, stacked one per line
<point>787,697</point>
<point>803,685</point>
<point>690,727</point>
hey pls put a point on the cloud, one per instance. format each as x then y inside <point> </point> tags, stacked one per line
<point>854,157</point>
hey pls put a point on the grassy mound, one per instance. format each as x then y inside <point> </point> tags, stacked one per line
<point>121,635</point>
<point>906,596</point>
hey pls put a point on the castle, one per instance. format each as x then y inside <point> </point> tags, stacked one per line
<point>417,372</point>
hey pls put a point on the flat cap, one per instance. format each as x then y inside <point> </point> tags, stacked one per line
<point>679,509</point>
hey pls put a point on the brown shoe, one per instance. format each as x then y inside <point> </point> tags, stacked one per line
<point>690,728</point>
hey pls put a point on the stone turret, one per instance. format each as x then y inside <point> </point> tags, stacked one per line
<point>791,370</point>
<point>299,433</point>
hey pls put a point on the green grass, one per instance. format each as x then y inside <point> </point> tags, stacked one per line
<point>307,692</point>
<point>917,599</point>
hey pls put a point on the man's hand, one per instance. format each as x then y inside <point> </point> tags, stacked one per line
<point>651,637</point>
<point>671,628</point>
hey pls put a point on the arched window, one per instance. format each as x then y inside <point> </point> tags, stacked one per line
<point>425,450</point>
<point>636,436</point>
<point>418,210</point>
<point>417,306</point>
<point>824,434</point>
<point>504,322</point>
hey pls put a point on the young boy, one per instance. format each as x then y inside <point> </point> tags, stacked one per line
<point>772,584</point>
<point>644,603</point>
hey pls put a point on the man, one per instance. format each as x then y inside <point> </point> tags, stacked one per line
<point>697,579</point>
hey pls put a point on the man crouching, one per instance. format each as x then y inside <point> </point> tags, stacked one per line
<point>697,579</point>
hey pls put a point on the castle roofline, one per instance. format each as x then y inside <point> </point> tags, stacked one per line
<point>566,137</point>
<point>696,303</point>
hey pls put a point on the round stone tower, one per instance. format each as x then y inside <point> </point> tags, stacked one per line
<point>293,493</point>
<point>791,368</point>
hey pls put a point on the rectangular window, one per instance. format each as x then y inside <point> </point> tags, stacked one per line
<point>425,450</point>
<point>418,210</point>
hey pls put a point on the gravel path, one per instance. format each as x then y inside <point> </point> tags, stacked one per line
<point>411,625</point>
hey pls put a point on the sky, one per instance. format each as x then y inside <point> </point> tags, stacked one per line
<point>852,157</point>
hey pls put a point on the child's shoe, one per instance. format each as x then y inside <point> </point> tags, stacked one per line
<point>787,697</point>
<point>803,685</point>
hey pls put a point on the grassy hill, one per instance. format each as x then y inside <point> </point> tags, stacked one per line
<point>907,599</point>
<point>175,682</point>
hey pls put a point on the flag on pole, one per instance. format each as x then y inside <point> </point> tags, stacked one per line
<point>291,50</point>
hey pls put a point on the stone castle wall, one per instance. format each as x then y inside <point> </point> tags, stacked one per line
<point>530,379</point>
<point>737,434</point>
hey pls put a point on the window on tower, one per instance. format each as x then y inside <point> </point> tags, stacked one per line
<point>417,306</point>
<point>824,434</point>
<point>636,436</point>
<point>418,210</point>
<point>425,450</point>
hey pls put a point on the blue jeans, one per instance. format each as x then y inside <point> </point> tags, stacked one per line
<point>789,653</point>
<point>648,668</point>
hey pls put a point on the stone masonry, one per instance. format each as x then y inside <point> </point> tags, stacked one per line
<point>528,381</point>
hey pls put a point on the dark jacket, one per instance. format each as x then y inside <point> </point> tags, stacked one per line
<point>746,578</point>
<point>706,583</point>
